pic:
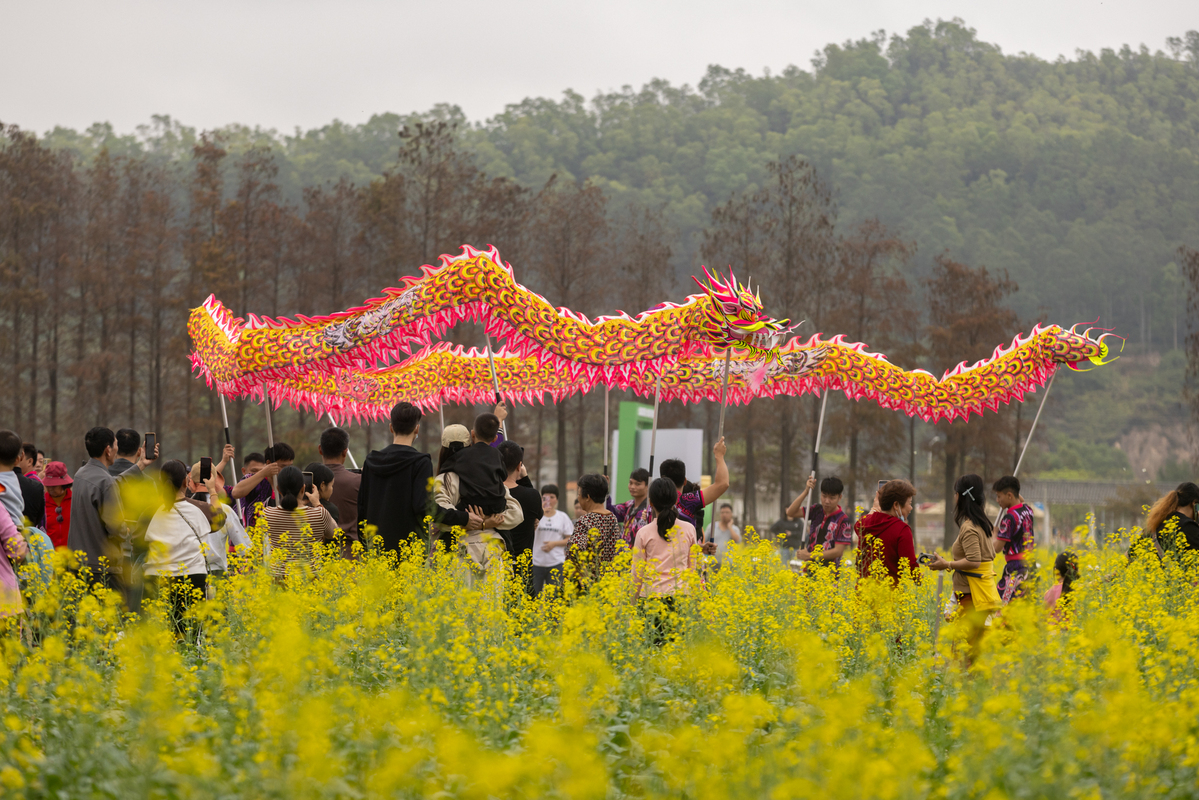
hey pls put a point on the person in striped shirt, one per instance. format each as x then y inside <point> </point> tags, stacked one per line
<point>296,526</point>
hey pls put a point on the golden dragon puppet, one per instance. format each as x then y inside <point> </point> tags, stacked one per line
<point>445,374</point>
<point>478,286</point>
<point>327,364</point>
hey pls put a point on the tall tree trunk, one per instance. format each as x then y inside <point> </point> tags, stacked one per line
<point>852,494</point>
<point>1016,443</point>
<point>156,358</point>
<point>239,426</point>
<point>710,429</point>
<point>951,459</point>
<point>16,389</point>
<point>560,407</point>
<point>132,321</point>
<point>187,419</point>
<point>211,428</point>
<point>912,468</point>
<point>34,361</point>
<point>540,427</point>
<point>786,436</point>
<point>53,376</point>
<point>82,407</point>
<point>751,470</point>
<point>581,442</point>
<point>102,387</point>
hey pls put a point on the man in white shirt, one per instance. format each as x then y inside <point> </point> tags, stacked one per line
<point>550,541</point>
<point>725,532</point>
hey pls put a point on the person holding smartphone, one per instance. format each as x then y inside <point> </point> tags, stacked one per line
<point>254,489</point>
<point>296,527</point>
<point>130,453</point>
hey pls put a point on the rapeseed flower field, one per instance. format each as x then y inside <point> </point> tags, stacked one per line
<point>401,678</point>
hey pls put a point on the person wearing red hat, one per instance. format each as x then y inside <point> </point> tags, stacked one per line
<point>58,502</point>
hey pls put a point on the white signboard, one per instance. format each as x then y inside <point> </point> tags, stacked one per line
<point>685,444</point>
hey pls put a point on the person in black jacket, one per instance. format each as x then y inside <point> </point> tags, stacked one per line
<point>520,538</point>
<point>394,494</point>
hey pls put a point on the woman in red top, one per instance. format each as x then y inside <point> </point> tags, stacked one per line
<point>884,535</point>
<point>58,502</point>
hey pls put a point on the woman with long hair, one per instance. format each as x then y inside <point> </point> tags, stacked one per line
<point>296,525</point>
<point>662,548</point>
<point>973,559</point>
<point>1172,520</point>
<point>1058,596</point>
<point>177,536</point>
<point>661,556</point>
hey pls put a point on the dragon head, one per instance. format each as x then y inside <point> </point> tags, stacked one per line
<point>734,317</point>
<point>1073,347</point>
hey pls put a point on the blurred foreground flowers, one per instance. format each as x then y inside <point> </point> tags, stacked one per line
<point>379,678</point>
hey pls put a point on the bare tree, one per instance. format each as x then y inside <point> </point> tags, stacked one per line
<point>869,304</point>
<point>736,238</point>
<point>330,268</point>
<point>800,219</point>
<point>641,253</point>
<point>966,315</point>
<point>37,189</point>
<point>571,223</point>
<point>1190,264</point>
<point>207,251</point>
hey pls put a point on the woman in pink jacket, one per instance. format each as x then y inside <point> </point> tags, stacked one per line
<point>15,549</point>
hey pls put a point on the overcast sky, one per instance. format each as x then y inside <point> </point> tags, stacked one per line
<point>293,63</point>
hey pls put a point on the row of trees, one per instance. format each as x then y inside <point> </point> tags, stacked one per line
<point>102,261</point>
<point>1077,176</point>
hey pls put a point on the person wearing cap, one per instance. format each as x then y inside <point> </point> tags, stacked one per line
<point>393,496</point>
<point>478,465</point>
<point>470,477</point>
<point>58,502</point>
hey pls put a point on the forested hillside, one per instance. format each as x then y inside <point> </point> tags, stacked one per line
<point>1074,183</point>
<point>1080,177</point>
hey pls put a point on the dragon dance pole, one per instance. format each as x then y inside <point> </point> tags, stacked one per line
<point>606,390</point>
<point>653,434</point>
<point>1035,419</point>
<point>724,399</point>
<point>495,381</point>
<point>815,466</point>
<point>225,421</point>
<point>270,433</point>
<point>1031,428</point>
<point>348,453</point>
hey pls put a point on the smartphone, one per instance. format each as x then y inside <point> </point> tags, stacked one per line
<point>926,558</point>
<point>307,482</point>
<point>881,484</point>
<point>150,440</point>
<point>205,468</point>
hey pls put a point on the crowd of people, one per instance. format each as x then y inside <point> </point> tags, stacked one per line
<point>144,528</point>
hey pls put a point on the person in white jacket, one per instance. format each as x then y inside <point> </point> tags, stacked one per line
<point>175,566</point>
